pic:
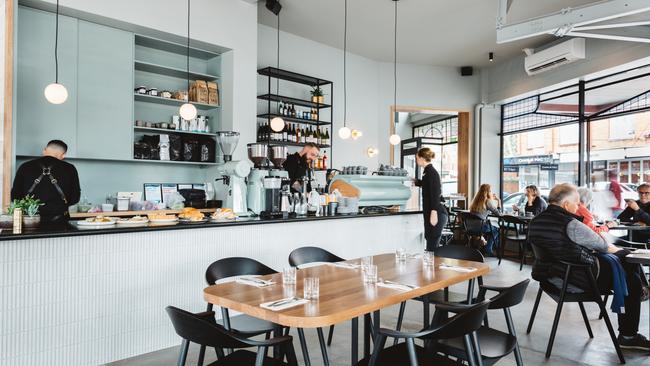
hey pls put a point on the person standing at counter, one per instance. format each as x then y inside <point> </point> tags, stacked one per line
<point>50,179</point>
<point>435,214</point>
<point>297,165</point>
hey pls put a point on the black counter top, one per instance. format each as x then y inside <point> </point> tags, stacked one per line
<point>63,230</point>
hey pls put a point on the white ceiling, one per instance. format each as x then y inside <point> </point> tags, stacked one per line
<point>430,32</point>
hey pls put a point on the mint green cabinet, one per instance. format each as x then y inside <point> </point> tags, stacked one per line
<point>38,121</point>
<point>105,84</point>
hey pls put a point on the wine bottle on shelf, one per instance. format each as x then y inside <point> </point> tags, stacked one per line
<point>303,136</point>
<point>324,167</point>
<point>319,136</point>
<point>281,109</point>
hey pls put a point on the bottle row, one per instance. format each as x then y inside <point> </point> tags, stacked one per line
<point>293,133</point>
<point>289,110</point>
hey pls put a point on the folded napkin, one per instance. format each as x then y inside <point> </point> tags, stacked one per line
<point>253,281</point>
<point>396,286</point>
<point>345,265</point>
<point>285,303</point>
<point>457,268</point>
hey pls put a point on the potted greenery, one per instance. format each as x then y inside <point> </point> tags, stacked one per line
<point>317,95</point>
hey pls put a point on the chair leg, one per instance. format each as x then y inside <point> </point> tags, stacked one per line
<point>600,316</point>
<point>556,321</point>
<point>477,349</point>
<point>534,313</point>
<point>259,358</point>
<point>303,346</point>
<point>182,357</point>
<point>513,332</point>
<point>610,329</point>
<point>201,356</point>
<point>323,348</point>
<point>329,335</point>
<point>410,344</point>
<point>522,255</point>
<point>469,350</point>
<point>400,318</point>
<point>584,317</point>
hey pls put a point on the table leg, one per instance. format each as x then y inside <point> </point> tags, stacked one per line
<point>323,346</point>
<point>303,346</point>
<point>377,323</point>
<point>366,335</point>
<point>427,316</point>
<point>470,290</point>
<point>354,347</point>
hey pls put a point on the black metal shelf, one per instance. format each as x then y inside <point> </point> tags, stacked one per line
<point>294,119</point>
<point>289,143</point>
<point>291,100</point>
<point>292,76</point>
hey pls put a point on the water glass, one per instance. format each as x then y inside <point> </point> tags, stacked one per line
<point>370,276</point>
<point>289,275</point>
<point>428,258</point>
<point>366,262</point>
<point>311,289</point>
<point>400,254</point>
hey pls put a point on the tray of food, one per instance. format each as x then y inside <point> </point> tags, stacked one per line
<point>135,221</point>
<point>191,215</point>
<point>96,222</point>
<point>223,214</point>
<point>162,219</point>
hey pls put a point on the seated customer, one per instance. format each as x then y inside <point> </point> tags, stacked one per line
<point>565,238</point>
<point>535,204</point>
<point>638,211</point>
<point>484,203</point>
<point>586,197</point>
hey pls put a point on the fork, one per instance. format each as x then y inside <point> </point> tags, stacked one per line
<point>283,301</point>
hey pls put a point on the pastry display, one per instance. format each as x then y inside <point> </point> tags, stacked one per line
<point>223,214</point>
<point>191,214</point>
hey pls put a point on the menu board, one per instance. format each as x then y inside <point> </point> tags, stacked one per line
<point>153,192</point>
<point>167,189</point>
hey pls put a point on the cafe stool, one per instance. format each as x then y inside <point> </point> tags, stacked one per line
<point>462,325</point>
<point>203,330</point>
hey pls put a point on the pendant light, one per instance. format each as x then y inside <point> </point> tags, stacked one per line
<point>344,132</point>
<point>188,110</point>
<point>395,139</point>
<point>56,93</point>
<point>277,123</point>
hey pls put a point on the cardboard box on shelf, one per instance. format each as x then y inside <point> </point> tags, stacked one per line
<point>199,91</point>
<point>213,93</point>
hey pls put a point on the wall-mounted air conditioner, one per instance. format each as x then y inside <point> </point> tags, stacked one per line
<point>555,56</point>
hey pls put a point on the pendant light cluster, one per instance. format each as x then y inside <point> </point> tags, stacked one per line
<point>345,132</point>
<point>188,110</point>
<point>56,93</point>
<point>277,123</point>
<point>395,139</point>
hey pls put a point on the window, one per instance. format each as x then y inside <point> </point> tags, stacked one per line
<point>621,128</point>
<point>535,139</point>
<point>569,135</point>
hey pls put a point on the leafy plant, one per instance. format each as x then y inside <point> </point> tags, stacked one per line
<point>29,205</point>
<point>317,92</point>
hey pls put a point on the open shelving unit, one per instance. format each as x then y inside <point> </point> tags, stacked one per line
<point>167,130</point>
<point>171,101</point>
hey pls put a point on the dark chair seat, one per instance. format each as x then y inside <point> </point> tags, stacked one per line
<point>438,297</point>
<point>397,355</point>
<point>494,345</point>
<point>244,357</point>
<point>249,326</point>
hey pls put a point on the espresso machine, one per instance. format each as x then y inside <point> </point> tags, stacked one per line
<point>278,155</point>
<point>233,173</point>
<point>258,154</point>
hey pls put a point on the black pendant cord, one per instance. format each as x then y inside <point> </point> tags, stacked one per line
<point>345,52</point>
<point>277,80</point>
<point>56,45</point>
<point>188,51</point>
<point>395,62</point>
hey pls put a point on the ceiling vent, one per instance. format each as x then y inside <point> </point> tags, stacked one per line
<point>555,56</point>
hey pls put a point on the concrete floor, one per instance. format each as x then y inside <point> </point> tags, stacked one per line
<point>572,344</point>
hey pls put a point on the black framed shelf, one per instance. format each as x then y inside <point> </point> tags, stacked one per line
<point>167,130</point>
<point>291,100</point>
<point>289,143</point>
<point>294,119</point>
<point>292,76</point>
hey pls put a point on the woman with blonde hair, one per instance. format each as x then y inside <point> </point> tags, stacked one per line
<point>484,203</point>
<point>435,214</point>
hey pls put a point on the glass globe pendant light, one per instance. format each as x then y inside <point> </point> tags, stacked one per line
<point>345,132</point>
<point>188,110</point>
<point>56,93</point>
<point>395,139</point>
<point>277,123</point>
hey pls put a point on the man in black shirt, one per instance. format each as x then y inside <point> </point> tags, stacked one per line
<point>297,165</point>
<point>638,211</point>
<point>51,180</point>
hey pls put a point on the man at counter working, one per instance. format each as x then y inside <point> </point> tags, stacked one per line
<point>50,179</point>
<point>297,165</point>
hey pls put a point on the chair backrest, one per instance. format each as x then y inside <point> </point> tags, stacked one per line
<point>510,297</point>
<point>235,266</point>
<point>199,330</point>
<point>473,224</point>
<point>306,255</point>
<point>540,254</point>
<point>459,252</point>
<point>467,321</point>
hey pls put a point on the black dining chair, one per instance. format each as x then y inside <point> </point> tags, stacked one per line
<point>203,330</point>
<point>494,344</point>
<point>462,325</point>
<point>244,325</point>
<point>561,296</point>
<point>514,229</point>
<point>452,251</point>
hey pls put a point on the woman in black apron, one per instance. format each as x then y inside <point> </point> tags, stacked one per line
<point>435,214</point>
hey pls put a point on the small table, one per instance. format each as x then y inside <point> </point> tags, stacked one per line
<point>343,295</point>
<point>632,229</point>
<point>644,260</point>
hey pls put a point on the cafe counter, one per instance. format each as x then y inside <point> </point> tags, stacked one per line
<point>97,296</point>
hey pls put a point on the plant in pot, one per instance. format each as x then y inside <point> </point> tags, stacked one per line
<point>317,95</point>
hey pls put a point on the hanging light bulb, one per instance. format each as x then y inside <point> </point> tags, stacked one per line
<point>372,152</point>
<point>394,139</point>
<point>344,133</point>
<point>188,111</point>
<point>56,93</point>
<point>355,134</point>
<point>277,124</point>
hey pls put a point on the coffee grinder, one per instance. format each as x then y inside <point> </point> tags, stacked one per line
<point>276,186</point>
<point>233,173</point>
<point>256,196</point>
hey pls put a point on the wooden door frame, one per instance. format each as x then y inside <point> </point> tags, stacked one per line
<point>7,128</point>
<point>464,143</point>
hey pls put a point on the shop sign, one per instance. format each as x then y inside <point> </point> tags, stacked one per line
<point>529,160</point>
<point>549,167</point>
<point>511,169</point>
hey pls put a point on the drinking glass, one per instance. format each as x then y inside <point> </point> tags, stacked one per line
<point>366,262</point>
<point>370,276</point>
<point>311,289</point>
<point>289,275</point>
<point>400,254</point>
<point>428,258</point>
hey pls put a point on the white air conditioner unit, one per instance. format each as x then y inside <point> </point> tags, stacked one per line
<point>555,56</point>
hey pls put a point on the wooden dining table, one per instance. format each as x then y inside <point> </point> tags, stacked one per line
<point>343,294</point>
